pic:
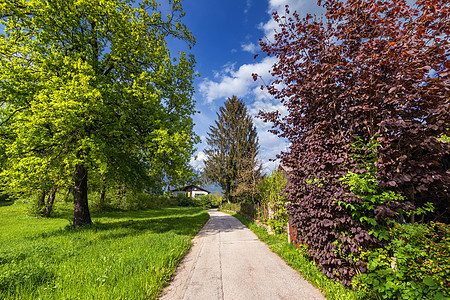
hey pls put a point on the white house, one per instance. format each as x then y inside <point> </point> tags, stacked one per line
<point>190,191</point>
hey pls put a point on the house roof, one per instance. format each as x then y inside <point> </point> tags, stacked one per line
<point>285,168</point>
<point>286,171</point>
<point>190,187</point>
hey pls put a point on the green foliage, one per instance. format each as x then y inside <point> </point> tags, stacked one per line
<point>368,193</point>
<point>140,200</point>
<point>444,138</point>
<point>236,207</point>
<point>37,208</point>
<point>298,260</point>
<point>114,201</point>
<point>415,264</point>
<point>130,201</point>
<point>271,189</point>
<point>279,221</point>
<point>182,200</point>
<point>6,203</point>
<point>5,197</point>
<point>232,150</point>
<point>210,200</point>
<point>366,188</point>
<point>94,86</point>
<point>123,255</point>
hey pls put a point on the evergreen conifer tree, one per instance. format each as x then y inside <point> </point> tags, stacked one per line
<point>232,150</point>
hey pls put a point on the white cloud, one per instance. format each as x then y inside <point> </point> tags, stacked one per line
<point>251,47</point>
<point>300,6</point>
<point>238,81</point>
<point>269,166</point>
<point>270,144</point>
<point>267,106</point>
<point>293,4</point>
<point>248,5</point>
<point>235,82</point>
<point>269,152</point>
<point>198,161</point>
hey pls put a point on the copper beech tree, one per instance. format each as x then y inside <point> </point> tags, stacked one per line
<point>367,70</point>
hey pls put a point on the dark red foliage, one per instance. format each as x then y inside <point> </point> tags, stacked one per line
<point>367,68</point>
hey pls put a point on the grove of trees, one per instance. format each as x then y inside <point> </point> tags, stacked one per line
<point>90,94</point>
<point>232,151</point>
<point>366,88</point>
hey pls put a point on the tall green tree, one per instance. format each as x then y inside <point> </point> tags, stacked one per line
<point>89,87</point>
<point>249,175</point>
<point>232,149</point>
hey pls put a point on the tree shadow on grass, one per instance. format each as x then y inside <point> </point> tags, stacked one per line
<point>179,223</point>
<point>6,203</point>
<point>149,213</point>
<point>30,263</point>
<point>66,212</point>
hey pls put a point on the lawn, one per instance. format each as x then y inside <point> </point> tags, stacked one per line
<point>124,255</point>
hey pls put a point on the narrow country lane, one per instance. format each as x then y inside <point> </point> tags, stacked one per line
<point>227,261</point>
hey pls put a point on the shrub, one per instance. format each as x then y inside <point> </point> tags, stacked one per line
<point>415,264</point>
<point>129,201</point>
<point>271,191</point>
<point>231,206</point>
<point>210,200</point>
<point>279,219</point>
<point>278,224</point>
<point>365,68</point>
<point>183,201</point>
<point>4,197</point>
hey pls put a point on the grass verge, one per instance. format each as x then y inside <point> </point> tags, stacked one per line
<point>294,258</point>
<point>123,255</point>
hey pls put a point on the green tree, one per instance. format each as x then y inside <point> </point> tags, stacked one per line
<point>271,191</point>
<point>249,175</point>
<point>232,148</point>
<point>90,87</point>
<point>272,186</point>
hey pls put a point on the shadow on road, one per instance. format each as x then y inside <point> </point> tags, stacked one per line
<point>220,223</point>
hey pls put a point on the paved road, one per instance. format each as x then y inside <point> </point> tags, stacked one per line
<point>227,261</point>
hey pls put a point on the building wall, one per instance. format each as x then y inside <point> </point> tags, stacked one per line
<point>198,193</point>
<point>189,193</point>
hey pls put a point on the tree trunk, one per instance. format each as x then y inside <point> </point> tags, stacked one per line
<point>40,203</point>
<point>50,201</point>
<point>81,215</point>
<point>124,191</point>
<point>102,197</point>
<point>228,191</point>
<point>119,195</point>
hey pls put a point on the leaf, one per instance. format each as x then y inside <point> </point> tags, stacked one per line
<point>343,81</point>
<point>429,281</point>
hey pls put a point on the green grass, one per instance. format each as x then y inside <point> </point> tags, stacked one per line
<point>294,258</point>
<point>123,255</point>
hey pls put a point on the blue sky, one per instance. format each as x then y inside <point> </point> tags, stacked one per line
<point>227,34</point>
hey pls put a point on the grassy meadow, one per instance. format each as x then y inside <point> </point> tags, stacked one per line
<point>123,255</point>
